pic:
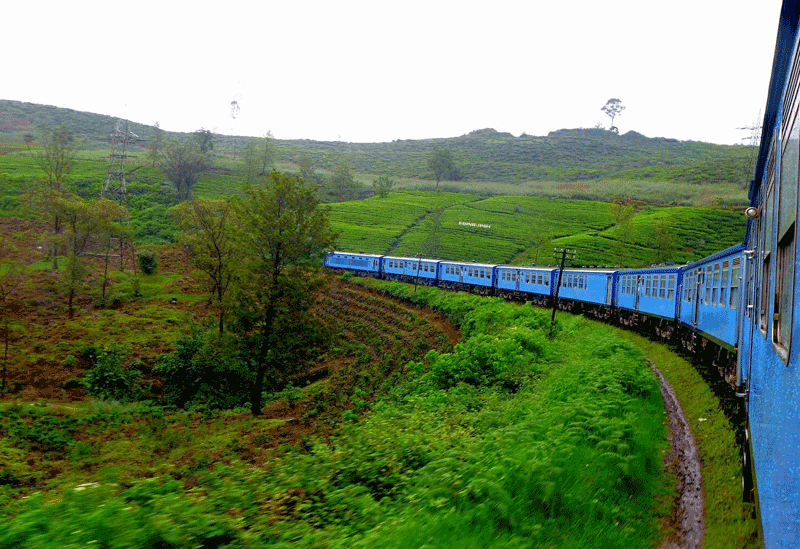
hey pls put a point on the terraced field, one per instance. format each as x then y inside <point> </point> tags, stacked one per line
<point>525,229</point>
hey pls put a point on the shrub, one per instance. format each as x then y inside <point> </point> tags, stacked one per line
<point>207,370</point>
<point>148,261</point>
<point>109,379</point>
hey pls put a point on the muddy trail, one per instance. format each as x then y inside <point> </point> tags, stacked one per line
<point>687,523</point>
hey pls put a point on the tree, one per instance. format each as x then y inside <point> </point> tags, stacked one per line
<point>155,144</point>
<point>57,156</point>
<point>251,158</point>
<point>343,184</point>
<point>441,164</point>
<point>204,139</point>
<point>383,185</point>
<point>206,233</point>
<point>86,222</point>
<point>306,166</point>
<point>56,159</point>
<point>281,227</point>
<point>623,211</point>
<point>269,151</point>
<point>613,108</point>
<point>183,164</point>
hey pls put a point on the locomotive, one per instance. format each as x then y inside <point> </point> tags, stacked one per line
<point>735,308</point>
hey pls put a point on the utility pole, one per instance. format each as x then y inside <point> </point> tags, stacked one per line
<point>564,254</point>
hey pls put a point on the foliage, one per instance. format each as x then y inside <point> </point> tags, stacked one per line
<point>208,238</point>
<point>148,261</point>
<point>280,228</point>
<point>442,165</point>
<point>383,186</point>
<point>342,183</point>
<point>110,379</point>
<point>207,371</point>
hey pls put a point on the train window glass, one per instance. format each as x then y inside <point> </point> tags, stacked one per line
<point>662,293</point>
<point>734,296</point>
<point>647,283</point>
<point>715,285</point>
<point>671,288</point>
<point>766,237</point>
<point>724,284</point>
<point>708,284</point>
<point>784,283</point>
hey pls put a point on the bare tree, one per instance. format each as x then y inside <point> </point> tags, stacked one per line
<point>183,164</point>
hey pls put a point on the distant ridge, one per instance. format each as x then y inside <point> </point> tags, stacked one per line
<point>481,155</point>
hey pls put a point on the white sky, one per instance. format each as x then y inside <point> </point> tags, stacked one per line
<point>381,70</point>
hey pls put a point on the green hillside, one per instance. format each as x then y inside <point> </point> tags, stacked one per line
<point>482,156</point>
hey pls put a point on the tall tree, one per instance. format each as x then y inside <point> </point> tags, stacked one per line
<point>155,144</point>
<point>57,159</point>
<point>57,156</point>
<point>269,151</point>
<point>441,164</point>
<point>183,164</point>
<point>613,108</point>
<point>207,235</point>
<point>281,227</point>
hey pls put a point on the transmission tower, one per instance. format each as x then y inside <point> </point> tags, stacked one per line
<point>115,186</point>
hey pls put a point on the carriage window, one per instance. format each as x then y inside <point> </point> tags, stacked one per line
<point>735,268</point>
<point>766,257</point>
<point>723,288</point>
<point>715,286</point>
<point>784,279</point>
<point>708,284</point>
<point>671,288</point>
<point>662,292</point>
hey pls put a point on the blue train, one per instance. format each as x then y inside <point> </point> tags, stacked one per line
<point>735,309</point>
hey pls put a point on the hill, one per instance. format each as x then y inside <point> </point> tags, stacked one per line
<point>486,155</point>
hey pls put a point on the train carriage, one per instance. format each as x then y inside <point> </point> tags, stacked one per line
<point>769,351</point>
<point>710,296</point>
<point>369,263</point>
<point>465,276</point>
<point>650,291</point>
<point>411,268</point>
<point>525,283</point>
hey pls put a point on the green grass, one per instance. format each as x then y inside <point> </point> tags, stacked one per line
<point>728,520</point>
<point>480,447</point>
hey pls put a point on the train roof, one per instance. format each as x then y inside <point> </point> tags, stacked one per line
<point>471,263</point>
<point>411,258</point>
<point>359,254</point>
<point>598,270</point>
<point>733,250</point>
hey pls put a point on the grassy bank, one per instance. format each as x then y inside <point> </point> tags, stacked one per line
<point>509,440</point>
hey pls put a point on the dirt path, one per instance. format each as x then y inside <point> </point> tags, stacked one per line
<point>688,513</point>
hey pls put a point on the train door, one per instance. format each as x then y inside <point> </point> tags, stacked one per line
<point>639,289</point>
<point>698,294</point>
<point>461,274</point>
<point>608,290</point>
<point>518,275</point>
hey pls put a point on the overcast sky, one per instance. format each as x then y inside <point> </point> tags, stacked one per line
<point>376,70</point>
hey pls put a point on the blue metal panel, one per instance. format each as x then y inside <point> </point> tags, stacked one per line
<point>531,280</point>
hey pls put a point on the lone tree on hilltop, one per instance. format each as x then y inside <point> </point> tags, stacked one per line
<point>613,108</point>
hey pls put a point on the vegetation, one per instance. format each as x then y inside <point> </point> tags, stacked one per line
<point>480,447</point>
